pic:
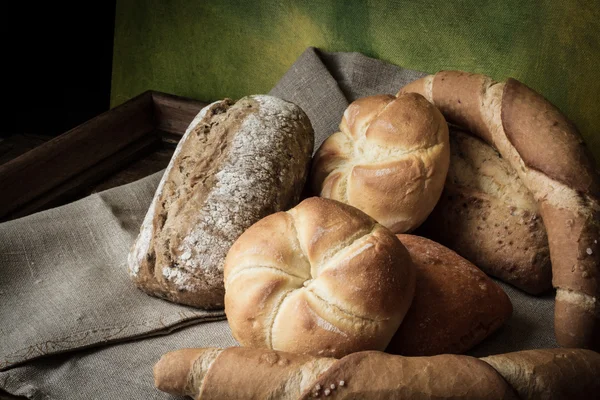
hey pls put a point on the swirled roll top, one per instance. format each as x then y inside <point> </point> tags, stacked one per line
<point>322,278</point>
<point>390,159</point>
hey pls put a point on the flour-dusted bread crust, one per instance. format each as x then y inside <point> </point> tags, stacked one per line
<point>549,154</point>
<point>489,217</point>
<point>236,163</point>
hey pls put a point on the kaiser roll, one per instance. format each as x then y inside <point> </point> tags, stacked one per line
<point>390,159</point>
<point>322,278</point>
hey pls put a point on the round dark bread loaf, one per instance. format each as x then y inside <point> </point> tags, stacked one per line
<point>237,163</point>
<point>551,158</point>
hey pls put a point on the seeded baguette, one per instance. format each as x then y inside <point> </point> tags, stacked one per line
<point>549,154</point>
<point>249,373</point>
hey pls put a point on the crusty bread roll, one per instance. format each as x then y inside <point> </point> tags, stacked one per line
<point>247,373</point>
<point>489,217</point>
<point>236,163</point>
<point>549,155</point>
<point>455,307</point>
<point>322,278</point>
<point>389,159</point>
<point>550,373</point>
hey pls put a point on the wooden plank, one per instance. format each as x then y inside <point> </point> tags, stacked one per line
<point>174,113</point>
<point>138,169</point>
<point>78,186</point>
<point>13,146</point>
<point>50,165</point>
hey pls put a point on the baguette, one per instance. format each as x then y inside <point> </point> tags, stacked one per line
<point>248,373</point>
<point>549,155</point>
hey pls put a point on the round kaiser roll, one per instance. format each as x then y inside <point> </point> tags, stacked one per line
<point>322,278</point>
<point>390,159</point>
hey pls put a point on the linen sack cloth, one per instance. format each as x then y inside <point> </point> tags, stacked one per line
<point>64,289</point>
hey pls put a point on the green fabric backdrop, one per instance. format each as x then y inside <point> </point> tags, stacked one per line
<point>213,49</point>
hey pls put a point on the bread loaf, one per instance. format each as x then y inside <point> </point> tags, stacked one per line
<point>247,373</point>
<point>455,306</point>
<point>236,163</point>
<point>549,154</point>
<point>550,373</point>
<point>389,159</point>
<point>322,278</point>
<point>489,217</point>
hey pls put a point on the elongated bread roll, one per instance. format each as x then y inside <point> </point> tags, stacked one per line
<point>248,373</point>
<point>549,155</point>
<point>237,163</point>
<point>455,307</point>
<point>550,373</point>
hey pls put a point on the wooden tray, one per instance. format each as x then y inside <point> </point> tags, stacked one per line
<point>119,146</point>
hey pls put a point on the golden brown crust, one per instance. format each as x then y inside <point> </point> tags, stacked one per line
<point>323,226</point>
<point>550,373</point>
<point>361,112</point>
<point>246,373</point>
<point>368,191</point>
<point>532,134</point>
<point>418,86</point>
<point>333,154</point>
<point>380,376</point>
<point>564,226</point>
<point>574,246</point>
<point>408,122</point>
<point>257,374</point>
<point>458,95</point>
<point>576,319</point>
<point>171,372</point>
<point>455,306</point>
<point>530,120</point>
<point>389,159</point>
<point>323,278</point>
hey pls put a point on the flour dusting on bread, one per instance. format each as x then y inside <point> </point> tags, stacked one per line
<point>235,164</point>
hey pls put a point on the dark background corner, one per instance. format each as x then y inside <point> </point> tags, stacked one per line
<point>58,60</point>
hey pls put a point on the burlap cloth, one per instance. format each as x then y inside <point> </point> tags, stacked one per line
<point>65,294</point>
